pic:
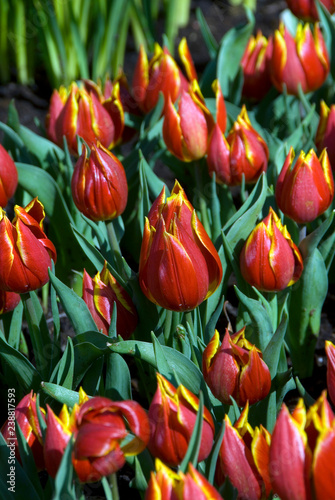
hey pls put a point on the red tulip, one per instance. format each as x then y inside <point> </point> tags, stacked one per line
<point>306,9</point>
<point>165,484</point>
<point>179,265</point>
<point>8,301</point>
<point>25,414</point>
<point>330,352</point>
<point>161,74</point>
<point>26,252</point>
<point>8,177</point>
<point>325,134</point>
<point>255,65</point>
<point>270,260</point>
<point>75,112</point>
<point>244,458</point>
<point>236,369</point>
<point>304,191</point>
<point>99,184</point>
<point>172,415</point>
<point>100,294</point>
<point>243,152</point>
<point>300,60</point>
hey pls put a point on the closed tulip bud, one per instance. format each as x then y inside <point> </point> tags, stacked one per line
<point>300,60</point>
<point>330,352</point>
<point>325,134</point>
<point>25,415</point>
<point>243,152</point>
<point>244,458</point>
<point>75,112</point>
<point>8,177</point>
<point>185,132</point>
<point>161,74</point>
<point>306,9</point>
<point>235,369</point>
<point>172,415</point>
<point>179,265</point>
<point>100,294</point>
<point>306,189</point>
<point>99,184</point>
<point>26,252</point>
<point>165,484</point>
<point>270,260</point>
<point>255,66</point>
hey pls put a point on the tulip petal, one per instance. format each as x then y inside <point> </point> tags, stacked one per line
<point>323,465</point>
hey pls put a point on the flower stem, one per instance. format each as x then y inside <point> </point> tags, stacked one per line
<point>114,487</point>
<point>114,244</point>
<point>202,200</point>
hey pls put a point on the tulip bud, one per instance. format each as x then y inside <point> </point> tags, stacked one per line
<point>165,484</point>
<point>325,134</point>
<point>75,112</point>
<point>243,152</point>
<point>235,369</point>
<point>99,184</point>
<point>301,60</point>
<point>25,414</point>
<point>185,132</point>
<point>8,177</point>
<point>172,415</point>
<point>100,294</point>
<point>26,252</point>
<point>306,9</point>
<point>304,191</point>
<point>179,265</point>
<point>161,74</point>
<point>255,65</point>
<point>270,260</point>
<point>330,352</point>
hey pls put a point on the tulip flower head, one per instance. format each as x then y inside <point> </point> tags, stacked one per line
<point>300,60</point>
<point>325,134</point>
<point>179,265</point>
<point>99,184</point>
<point>172,415</point>
<point>306,189</point>
<point>165,484</point>
<point>255,65</point>
<point>330,353</point>
<point>270,260</point>
<point>8,301</point>
<point>235,369</point>
<point>25,415</point>
<point>161,74</point>
<point>244,152</point>
<point>75,111</point>
<point>306,9</point>
<point>25,250</point>
<point>100,294</point>
<point>8,177</point>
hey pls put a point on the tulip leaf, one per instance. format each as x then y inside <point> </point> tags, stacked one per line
<point>27,460</point>
<point>15,326</point>
<point>61,394</point>
<point>308,244</point>
<point>308,400</point>
<point>107,487</point>
<point>329,33</point>
<point>117,381</point>
<point>211,461</point>
<point>211,43</point>
<point>211,324</point>
<point>193,448</point>
<point>92,378</point>
<point>74,307</point>
<point>64,484</point>
<point>65,367</point>
<point>23,371</point>
<point>272,351</point>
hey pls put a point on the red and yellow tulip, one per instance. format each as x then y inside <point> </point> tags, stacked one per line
<point>330,353</point>
<point>325,134</point>
<point>306,9</point>
<point>8,177</point>
<point>255,65</point>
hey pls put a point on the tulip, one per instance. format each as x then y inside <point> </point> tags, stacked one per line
<point>185,132</point>
<point>304,191</point>
<point>161,74</point>
<point>270,260</point>
<point>306,9</point>
<point>8,177</point>
<point>235,369</point>
<point>301,60</point>
<point>243,152</point>
<point>330,353</point>
<point>165,484</point>
<point>325,134</point>
<point>244,458</point>
<point>99,184</point>
<point>100,294</point>
<point>179,265</point>
<point>75,111</point>
<point>255,65</point>
<point>25,415</point>
<point>26,252</point>
<point>8,301</point>
<point>172,415</point>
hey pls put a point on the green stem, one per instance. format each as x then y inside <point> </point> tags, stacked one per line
<point>114,244</point>
<point>202,200</point>
<point>114,487</point>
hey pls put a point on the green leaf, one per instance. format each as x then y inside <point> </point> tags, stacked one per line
<point>211,43</point>
<point>118,380</point>
<point>308,244</point>
<point>27,459</point>
<point>193,448</point>
<point>64,396</point>
<point>64,486</point>
<point>271,353</point>
<point>65,367</point>
<point>15,326</point>
<point>211,461</point>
